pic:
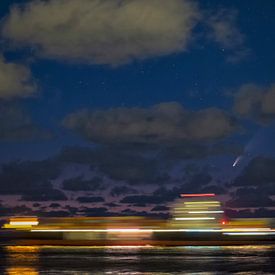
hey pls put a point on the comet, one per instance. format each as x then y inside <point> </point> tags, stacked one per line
<point>237,161</point>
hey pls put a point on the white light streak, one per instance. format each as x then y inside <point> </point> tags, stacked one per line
<point>249,233</point>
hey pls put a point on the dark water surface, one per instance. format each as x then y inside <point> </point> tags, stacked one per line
<point>31,260</point>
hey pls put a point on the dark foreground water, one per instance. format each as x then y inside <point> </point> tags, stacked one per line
<point>33,260</point>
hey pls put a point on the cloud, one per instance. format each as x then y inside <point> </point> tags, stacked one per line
<point>259,172</point>
<point>31,179</point>
<point>145,199</point>
<point>81,184</point>
<point>16,124</point>
<point>45,194</point>
<point>255,102</point>
<point>15,80</point>
<point>96,211</point>
<point>102,32</point>
<point>122,190</point>
<point>120,165</point>
<point>159,196</point>
<point>160,124</point>
<point>224,31</point>
<point>251,198</point>
<point>160,208</point>
<point>16,210</point>
<point>90,199</point>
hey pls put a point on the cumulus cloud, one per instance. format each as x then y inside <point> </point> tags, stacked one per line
<point>256,102</point>
<point>15,124</point>
<point>162,123</point>
<point>102,32</point>
<point>15,80</point>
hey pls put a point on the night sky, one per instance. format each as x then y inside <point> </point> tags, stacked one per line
<point>115,107</point>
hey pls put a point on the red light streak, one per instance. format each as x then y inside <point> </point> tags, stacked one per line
<point>198,195</point>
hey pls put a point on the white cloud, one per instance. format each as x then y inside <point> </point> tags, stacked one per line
<point>103,32</point>
<point>15,80</point>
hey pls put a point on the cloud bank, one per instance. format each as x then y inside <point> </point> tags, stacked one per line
<point>162,123</point>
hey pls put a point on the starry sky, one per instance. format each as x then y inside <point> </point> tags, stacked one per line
<point>115,107</point>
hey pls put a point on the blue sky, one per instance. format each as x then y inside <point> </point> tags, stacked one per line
<point>214,60</point>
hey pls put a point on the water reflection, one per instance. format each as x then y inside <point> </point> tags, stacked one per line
<point>33,260</point>
<point>22,260</point>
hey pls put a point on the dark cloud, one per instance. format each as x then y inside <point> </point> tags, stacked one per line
<point>251,197</point>
<point>199,150</point>
<point>47,194</point>
<point>197,182</point>
<point>55,213</point>
<point>145,199</point>
<point>160,208</point>
<point>122,190</point>
<point>54,205</point>
<point>96,211</point>
<point>216,189</point>
<point>81,184</point>
<point>111,204</point>
<point>260,171</point>
<point>115,163</point>
<point>16,210</point>
<point>247,213</point>
<point>159,196</point>
<point>30,178</point>
<point>160,124</point>
<point>90,199</point>
<point>16,124</point>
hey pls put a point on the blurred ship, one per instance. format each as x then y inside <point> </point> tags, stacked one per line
<point>197,219</point>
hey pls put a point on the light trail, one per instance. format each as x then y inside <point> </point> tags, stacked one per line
<point>194,218</point>
<point>206,212</point>
<point>249,233</point>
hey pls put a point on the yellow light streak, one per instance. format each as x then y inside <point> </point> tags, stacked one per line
<point>205,212</point>
<point>24,223</point>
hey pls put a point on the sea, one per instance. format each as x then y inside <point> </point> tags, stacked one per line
<point>205,260</point>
